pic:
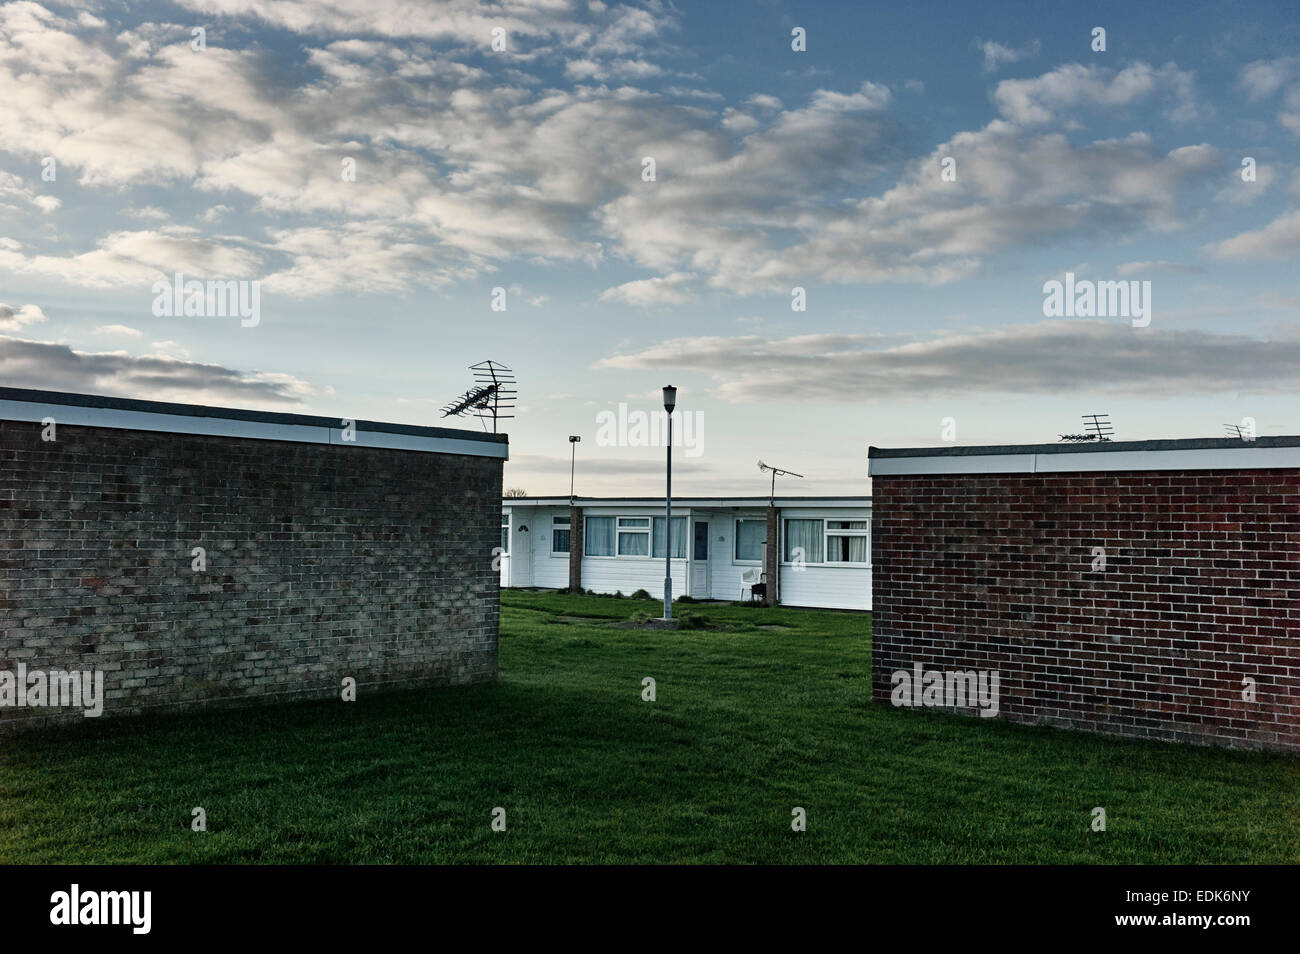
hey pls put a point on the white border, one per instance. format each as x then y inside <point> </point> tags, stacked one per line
<point>78,416</point>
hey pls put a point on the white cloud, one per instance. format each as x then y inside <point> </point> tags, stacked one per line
<point>1279,239</point>
<point>1067,88</point>
<point>12,189</point>
<point>118,331</point>
<point>138,259</point>
<point>670,289</point>
<point>996,54</point>
<point>12,318</point>
<point>1148,268</point>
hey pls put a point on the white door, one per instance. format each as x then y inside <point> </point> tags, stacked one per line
<point>504,554</point>
<point>700,584</point>
<point>521,551</point>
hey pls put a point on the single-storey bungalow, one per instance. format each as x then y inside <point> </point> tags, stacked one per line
<point>1142,588</point>
<point>177,555</point>
<point>816,549</point>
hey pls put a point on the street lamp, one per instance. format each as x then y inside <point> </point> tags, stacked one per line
<point>670,402</point>
<point>573,456</point>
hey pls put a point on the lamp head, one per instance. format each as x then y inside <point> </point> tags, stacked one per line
<point>574,439</point>
<point>670,398</point>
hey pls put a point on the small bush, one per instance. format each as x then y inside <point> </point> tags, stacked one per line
<point>692,621</point>
<point>641,595</point>
<point>686,599</point>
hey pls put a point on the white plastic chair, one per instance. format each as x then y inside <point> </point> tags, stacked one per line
<point>748,578</point>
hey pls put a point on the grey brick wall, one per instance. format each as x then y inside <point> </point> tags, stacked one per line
<point>323,561</point>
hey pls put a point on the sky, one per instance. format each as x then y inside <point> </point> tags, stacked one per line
<point>829,225</point>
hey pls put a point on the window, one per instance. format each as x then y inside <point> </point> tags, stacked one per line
<point>827,541</point>
<point>633,536</point>
<point>803,541</point>
<point>505,533</point>
<point>600,536</point>
<point>679,538</point>
<point>846,541</point>
<point>560,534</point>
<point>750,536</point>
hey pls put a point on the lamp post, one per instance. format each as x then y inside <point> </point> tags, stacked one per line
<point>573,456</point>
<point>670,402</point>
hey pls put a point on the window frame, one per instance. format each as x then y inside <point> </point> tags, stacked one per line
<point>827,533</point>
<point>621,529</point>
<point>735,541</point>
<point>567,527</point>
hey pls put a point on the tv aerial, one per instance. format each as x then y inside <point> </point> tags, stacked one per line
<point>1098,428</point>
<point>492,395</point>
<point>775,471</point>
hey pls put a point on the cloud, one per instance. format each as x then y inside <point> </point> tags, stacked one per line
<point>12,189</point>
<point>1279,239</point>
<point>996,54</point>
<point>467,159</point>
<point>1049,357</point>
<point>137,258</point>
<point>1067,88</point>
<point>118,330</point>
<point>12,318</point>
<point>56,366</point>
<point>1149,268</point>
<point>1264,78</point>
<point>669,290</point>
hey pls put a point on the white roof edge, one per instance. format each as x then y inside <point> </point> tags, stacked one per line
<point>685,503</point>
<point>1246,457</point>
<point>78,416</point>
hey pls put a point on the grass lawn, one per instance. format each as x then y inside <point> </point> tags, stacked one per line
<point>749,722</point>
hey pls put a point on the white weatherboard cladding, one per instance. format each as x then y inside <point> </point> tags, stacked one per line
<point>826,585</point>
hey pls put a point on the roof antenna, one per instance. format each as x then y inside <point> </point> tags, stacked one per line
<point>493,392</point>
<point>775,470</point>
<point>1098,429</point>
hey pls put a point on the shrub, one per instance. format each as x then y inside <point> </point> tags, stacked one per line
<point>692,621</point>
<point>641,595</point>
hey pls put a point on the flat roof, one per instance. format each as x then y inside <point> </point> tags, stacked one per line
<point>1196,453</point>
<point>95,410</point>
<point>563,501</point>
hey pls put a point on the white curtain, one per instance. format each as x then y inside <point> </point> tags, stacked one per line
<point>847,549</point>
<point>805,534</point>
<point>679,538</point>
<point>600,536</point>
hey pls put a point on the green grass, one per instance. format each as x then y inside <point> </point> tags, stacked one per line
<point>748,723</point>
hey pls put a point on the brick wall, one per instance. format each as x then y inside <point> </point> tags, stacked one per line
<point>323,561</point>
<point>1200,590</point>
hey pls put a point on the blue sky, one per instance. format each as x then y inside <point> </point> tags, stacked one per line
<point>522,169</point>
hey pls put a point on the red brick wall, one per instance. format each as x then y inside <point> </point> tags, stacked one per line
<point>1201,590</point>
